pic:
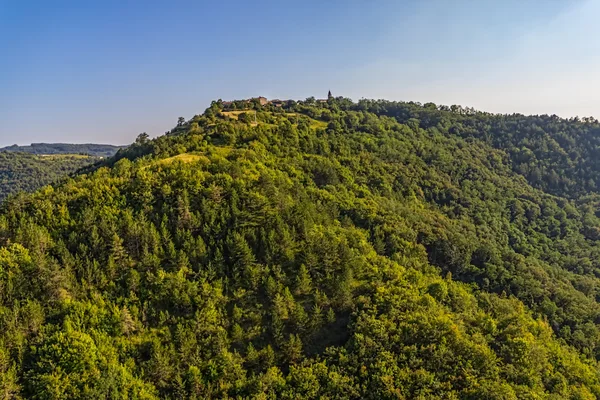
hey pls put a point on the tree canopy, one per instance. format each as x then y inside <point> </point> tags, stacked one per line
<point>321,249</point>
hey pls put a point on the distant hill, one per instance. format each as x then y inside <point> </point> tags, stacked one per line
<point>97,150</point>
<point>28,172</point>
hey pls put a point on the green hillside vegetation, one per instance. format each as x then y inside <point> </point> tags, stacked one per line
<point>336,250</point>
<point>97,150</point>
<point>560,156</point>
<point>28,172</point>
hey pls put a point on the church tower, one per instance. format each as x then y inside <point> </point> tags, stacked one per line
<point>329,95</point>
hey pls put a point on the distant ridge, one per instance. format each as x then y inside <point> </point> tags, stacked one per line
<point>97,150</point>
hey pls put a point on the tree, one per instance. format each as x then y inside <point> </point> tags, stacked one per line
<point>142,139</point>
<point>67,366</point>
<point>294,349</point>
<point>303,281</point>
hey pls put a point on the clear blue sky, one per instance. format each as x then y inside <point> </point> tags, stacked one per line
<point>104,71</point>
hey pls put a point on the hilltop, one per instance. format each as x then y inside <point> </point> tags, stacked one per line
<point>313,249</point>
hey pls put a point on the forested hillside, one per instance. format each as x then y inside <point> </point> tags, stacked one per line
<point>332,250</point>
<point>557,155</point>
<point>97,150</point>
<point>28,172</point>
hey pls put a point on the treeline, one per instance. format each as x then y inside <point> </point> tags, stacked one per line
<point>96,150</point>
<point>334,250</point>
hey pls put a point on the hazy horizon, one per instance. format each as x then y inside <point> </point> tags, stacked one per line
<point>103,73</point>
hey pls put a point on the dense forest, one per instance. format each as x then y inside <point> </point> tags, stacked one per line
<point>313,249</point>
<point>28,172</point>
<point>96,150</point>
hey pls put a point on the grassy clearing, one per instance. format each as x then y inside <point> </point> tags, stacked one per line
<point>317,124</point>
<point>185,158</point>
<point>235,114</point>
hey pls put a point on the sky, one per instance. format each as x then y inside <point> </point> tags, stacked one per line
<point>105,71</point>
